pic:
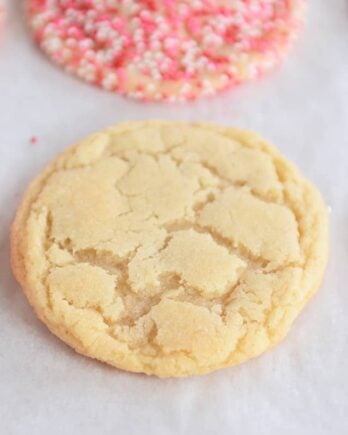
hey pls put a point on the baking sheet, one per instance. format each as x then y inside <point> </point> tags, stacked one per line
<point>301,387</point>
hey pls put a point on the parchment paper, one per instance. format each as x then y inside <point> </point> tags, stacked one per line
<point>301,387</point>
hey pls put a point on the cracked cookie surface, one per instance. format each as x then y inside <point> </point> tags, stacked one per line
<point>170,248</point>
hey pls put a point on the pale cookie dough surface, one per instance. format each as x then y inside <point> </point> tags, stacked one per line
<point>170,248</point>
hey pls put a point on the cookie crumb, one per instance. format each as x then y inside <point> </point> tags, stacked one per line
<point>34,140</point>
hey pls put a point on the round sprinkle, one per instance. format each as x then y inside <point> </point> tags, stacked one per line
<point>165,50</point>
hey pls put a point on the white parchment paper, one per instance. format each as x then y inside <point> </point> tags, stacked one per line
<point>301,387</point>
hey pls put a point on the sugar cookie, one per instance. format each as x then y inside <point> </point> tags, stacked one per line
<point>170,248</point>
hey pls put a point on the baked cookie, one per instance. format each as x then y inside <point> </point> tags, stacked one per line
<point>170,248</point>
<point>165,50</point>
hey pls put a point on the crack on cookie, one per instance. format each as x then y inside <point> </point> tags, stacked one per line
<point>151,348</point>
<point>283,267</point>
<point>233,248</point>
<point>112,264</point>
<point>108,324</point>
<point>199,205</point>
<point>89,307</point>
<point>146,303</point>
<point>152,342</point>
<point>116,266</point>
<point>227,181</point>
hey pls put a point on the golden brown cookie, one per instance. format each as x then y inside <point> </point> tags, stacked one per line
<point>170,248</point>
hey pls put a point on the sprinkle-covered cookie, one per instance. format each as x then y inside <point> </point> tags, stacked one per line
<point>170,248</point>
<point>165,50</point>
